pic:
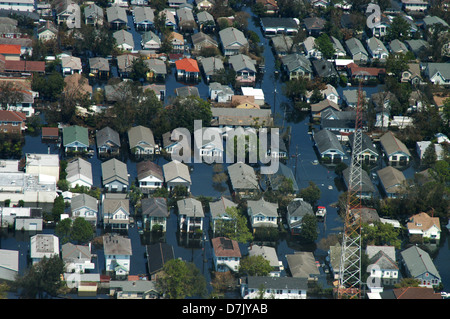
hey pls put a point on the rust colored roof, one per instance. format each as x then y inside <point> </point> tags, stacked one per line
<point>12,116</point>
<point>50,131</point>
<point>224,247</point>
<point>25,66</point>
<point>416,293</point>
<point>9,49</point>
<point>357,70</point>
<point>187,64</point>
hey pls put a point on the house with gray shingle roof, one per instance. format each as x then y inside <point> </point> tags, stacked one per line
<point>124,40</point>
<point>115,211</point>
<point>143,18</point>
<point>419,265</point>
<point>357,50</point>
<point>244,182</point>
<point>108,141</point>
<point>245,69</point>
<point>233,41</point>
<point>296,66</point>
<point>202,40</point>
<point>115,175</point>
<point>394,149</point>
<point>438,73</point>
<point>141,140</point>
<point>262,214</point>
<point>383,265</point>
<point>79,172</point>
<point>211,66</point>
<point>328,145</point>
<point>93,15</point>
<point>218,211</point>
<point>150,41</point>
<point>116,17</point>
<point>377,49</point>
<point>296,210</point>
<point>417,46</point>
<point>339,50</point>
<point>369,151</point>
<point>155,212</point>
<point>118,252</point>
<point>190,214</point>
<point>205,21</point>
<point>157,68</point>
<point>176,174</point>
<point>149,175</point>
<point>366,188</point>
<point>397,47</point>
<point>186,20</point>
<point>392,181</point>
<point>99,66</point>
<point>85,206</point>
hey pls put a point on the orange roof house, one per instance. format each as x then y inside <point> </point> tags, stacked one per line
<point>10,51</point>
<point>187,69</point>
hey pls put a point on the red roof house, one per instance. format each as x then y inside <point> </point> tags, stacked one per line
<point>187,69</point>
<point>12,121</point>
<point>364,73</point>
<point>10,51</point>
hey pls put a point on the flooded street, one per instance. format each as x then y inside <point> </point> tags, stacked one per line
<point>302,156</point>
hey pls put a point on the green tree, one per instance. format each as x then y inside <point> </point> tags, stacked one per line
<point>42,278</point>
<point>49,86</point>
<point>235,227</point>
<point>310,194</point>
<point>399,29</point>
<point>63,230</point>
<point>254,266</point>
<point>381,234</point>
<point>324,45</point>
<point>429,156</point>
<point>181,279</point>
<point>58,208</point>
<point>138,70</point>
<point>309,231</point>
<point>185,110</point>
<point>82,231</point>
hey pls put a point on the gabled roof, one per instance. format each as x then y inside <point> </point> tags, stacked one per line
<point>12,116</point>
<point>99,63</point>
<point>294,61</point>
<point>242,176</point>
<point>114,169</point>
<point>155,207</point>
<point>391,178</point>
<point>75,133</point>
<point>423,221</point>
<point>143,14</point>
<point>298,207</point>
<point>187,64</point>
<point>218,208</point>
<point>83,200</point>
<point>123,37</point>
<point>326,140</point>
<point>112,202</point>
<point>114,13</point>
<point>225,247</point>
<point>106,135</point>
<point>391,144</point>
<point>79,168</point>
<point>117,245</point>
<point>355,46</point>
<point>9,49</point>
<point>262,207</point>
<point>148,168</point>
<point>231,36</point>
<point>175,169</point>
<point>366,185</point>
<point>418,262</point>
<point>140,136</point>
<point>211,65</point>
<point>93,10</point>
<point>242,62</point>
<point>190,207</point>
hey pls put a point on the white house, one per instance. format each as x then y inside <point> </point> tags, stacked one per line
<point>383,268</point>
<point>424,225</point>
<point>9,264</point>
<point>274,287</point>
<point>79,172</point>
<point>77,258</point>
<point>118,253</point>
<point>190,215</point>
<point>85,206</point>
<point>43,245</point>
<point>226,254</point>
<point>262,213</point>
<point>150,176</point>
<point>269,254</point>
<point>116,211</point>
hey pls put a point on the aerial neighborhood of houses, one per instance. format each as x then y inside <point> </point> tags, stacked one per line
<point>94,181</point>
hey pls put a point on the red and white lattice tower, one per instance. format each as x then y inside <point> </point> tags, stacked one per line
<point>350,265</point>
